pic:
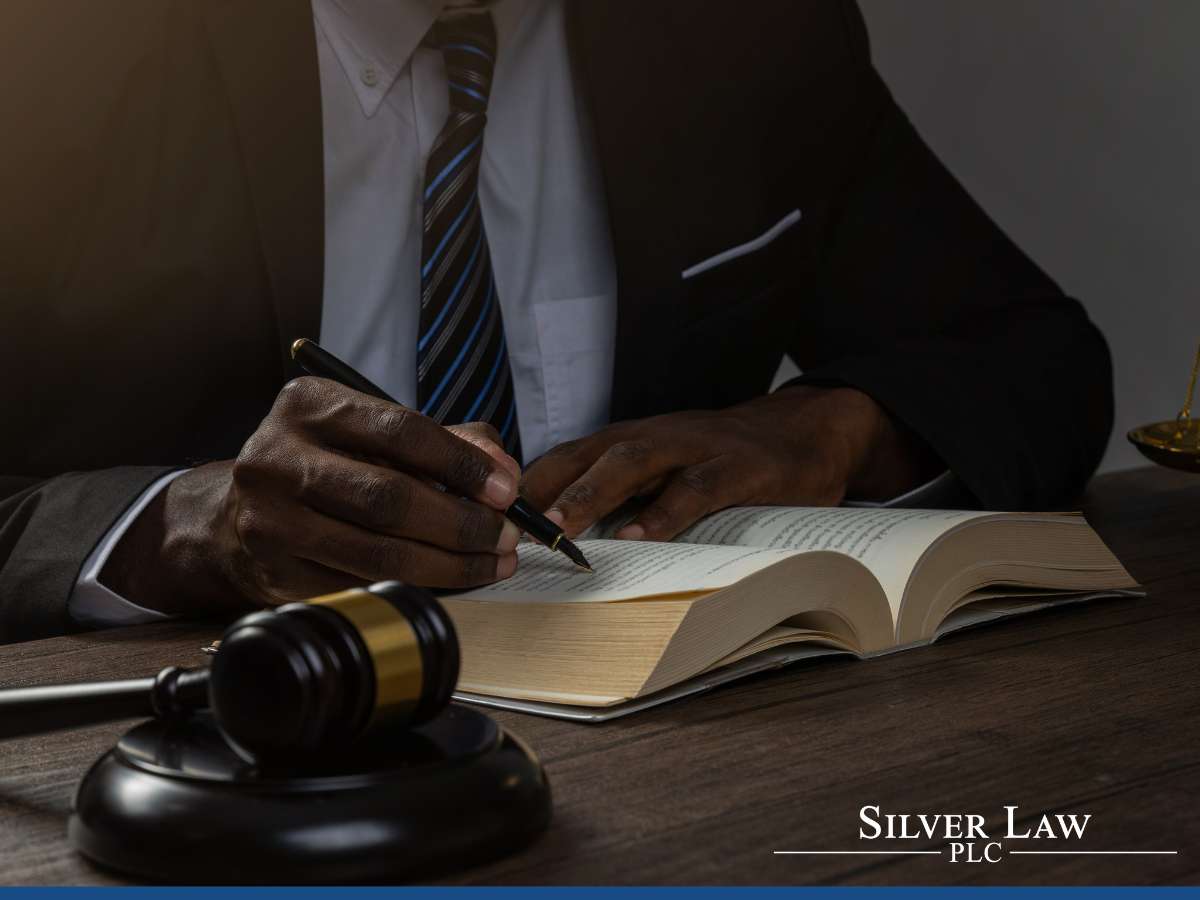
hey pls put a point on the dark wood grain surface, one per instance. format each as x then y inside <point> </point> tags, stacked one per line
<point>1091,709</point>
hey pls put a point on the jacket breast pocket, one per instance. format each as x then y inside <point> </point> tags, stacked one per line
<point>739,309</point>
<point>745,274</point>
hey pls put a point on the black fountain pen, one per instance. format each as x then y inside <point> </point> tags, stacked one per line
<point>315,360</point>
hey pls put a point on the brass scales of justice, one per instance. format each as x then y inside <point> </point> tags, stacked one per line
<point>1174,443</point>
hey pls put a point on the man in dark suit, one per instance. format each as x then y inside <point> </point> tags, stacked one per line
<point>190,185</point>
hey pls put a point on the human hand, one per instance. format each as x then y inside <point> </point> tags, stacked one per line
<point>800,446</point>
<point>334,489</point>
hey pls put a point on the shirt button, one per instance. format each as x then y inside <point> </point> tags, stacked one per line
<point>369,76</point>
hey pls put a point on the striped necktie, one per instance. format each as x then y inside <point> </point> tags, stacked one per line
<point>463,373</point>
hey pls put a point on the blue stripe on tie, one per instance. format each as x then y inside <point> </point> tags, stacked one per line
<point>470,48</point>
<point>487,385</point>
<point>487,308</point>
<point>467,269</point>
<point>450,166</point>
<point>508,420</point>
<point>466,90</point>
<point>437,251</point>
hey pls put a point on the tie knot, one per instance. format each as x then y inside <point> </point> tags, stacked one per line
<point>468,44</point>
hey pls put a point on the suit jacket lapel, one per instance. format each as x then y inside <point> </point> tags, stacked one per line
<point>631,86</point>
<point>266,50</point>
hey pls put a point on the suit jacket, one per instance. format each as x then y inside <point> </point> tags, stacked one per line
<point>162,226</point>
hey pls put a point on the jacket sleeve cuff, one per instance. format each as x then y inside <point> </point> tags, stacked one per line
<point>47,531</point>
<point>91,604</point>
<point>987,469</point>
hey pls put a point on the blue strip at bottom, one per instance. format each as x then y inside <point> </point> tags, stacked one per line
<point>618,893</point>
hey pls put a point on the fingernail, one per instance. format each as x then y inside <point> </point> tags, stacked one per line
<point>506,566</point>
<point>509,535</point>
<point>500,488</point>
<point>631,533</point>
<point>556,516</point>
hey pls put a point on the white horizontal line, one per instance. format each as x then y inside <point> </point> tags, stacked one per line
<point>1093,852</point>
<point>855,852</point>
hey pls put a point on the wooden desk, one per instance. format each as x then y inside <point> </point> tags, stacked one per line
<point>1092,709</point>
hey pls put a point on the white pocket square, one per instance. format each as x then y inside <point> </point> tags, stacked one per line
<point>742,249</point>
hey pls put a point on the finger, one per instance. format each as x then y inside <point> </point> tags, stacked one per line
<point>689,496</point>
<point>378,557</point>
<point>622,471</point>
<point>400,505</point>
<point>487,439</point>
<point>477,430</point>
<point>550,473</point>
<point>547,476</point>
<point>273,574</point>
<point>355,423</point>
<point>290,579</point>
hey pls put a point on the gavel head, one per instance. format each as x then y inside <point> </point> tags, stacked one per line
<point>311,677</point>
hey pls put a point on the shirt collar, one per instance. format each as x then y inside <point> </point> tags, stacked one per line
<point>374,40</point>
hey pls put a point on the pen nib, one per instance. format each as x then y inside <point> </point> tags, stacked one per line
<point>573,554</point>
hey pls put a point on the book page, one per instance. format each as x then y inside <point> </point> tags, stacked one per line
<point>887,541</point>
<point>625,570</point>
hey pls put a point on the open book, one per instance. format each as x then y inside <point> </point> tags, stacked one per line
<point>757,587</point>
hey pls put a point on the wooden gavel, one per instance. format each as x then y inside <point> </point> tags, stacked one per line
<point>287,683</point>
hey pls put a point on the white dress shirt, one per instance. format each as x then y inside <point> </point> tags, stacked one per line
<point>384,99</point>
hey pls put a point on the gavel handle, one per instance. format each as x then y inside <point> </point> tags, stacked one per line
<point>174,691</point>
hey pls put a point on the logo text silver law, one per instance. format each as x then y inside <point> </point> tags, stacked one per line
<point>979,838</point>
<point>968,837</point>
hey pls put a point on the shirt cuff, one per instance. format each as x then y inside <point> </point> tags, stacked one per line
<point>91,604</point>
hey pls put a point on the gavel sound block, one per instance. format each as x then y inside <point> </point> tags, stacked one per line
<point>319,748</point>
